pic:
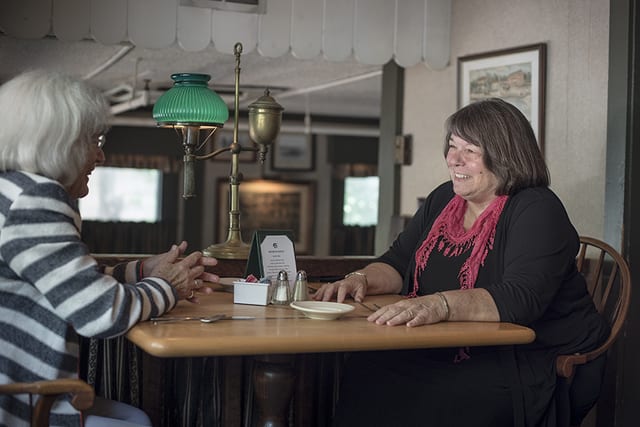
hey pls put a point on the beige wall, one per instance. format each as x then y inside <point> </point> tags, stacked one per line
<point>577,36</point>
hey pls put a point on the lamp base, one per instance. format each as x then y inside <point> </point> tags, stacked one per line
<point>228,250</point>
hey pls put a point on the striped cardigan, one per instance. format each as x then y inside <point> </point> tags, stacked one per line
<point>52,290</point>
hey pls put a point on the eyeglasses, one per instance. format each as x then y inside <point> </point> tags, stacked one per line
<point>101,140</point>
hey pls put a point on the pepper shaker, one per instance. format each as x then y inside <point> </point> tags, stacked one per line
<point>300,292</point>
<point>282,292</point>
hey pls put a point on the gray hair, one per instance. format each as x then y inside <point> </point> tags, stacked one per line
<point>47,124</point>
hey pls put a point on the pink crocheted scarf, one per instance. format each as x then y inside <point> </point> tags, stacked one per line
<point>452,240</point>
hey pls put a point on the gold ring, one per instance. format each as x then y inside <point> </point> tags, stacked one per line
<point>191,294</point>
<point>197,283</point>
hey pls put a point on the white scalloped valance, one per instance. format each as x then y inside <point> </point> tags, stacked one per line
<point>374,31</point>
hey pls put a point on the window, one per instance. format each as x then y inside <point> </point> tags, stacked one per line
<point>123,194</point>
<point>360,205</point>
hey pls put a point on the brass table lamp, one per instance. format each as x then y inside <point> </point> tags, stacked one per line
<point>190,107</point>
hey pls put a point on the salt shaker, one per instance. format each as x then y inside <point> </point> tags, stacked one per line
<point>282,292</point>
<point>300,292</point>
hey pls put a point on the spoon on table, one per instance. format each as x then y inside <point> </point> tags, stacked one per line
<point>204,319</point>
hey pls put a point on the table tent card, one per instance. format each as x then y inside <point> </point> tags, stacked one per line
<point>272,251</point>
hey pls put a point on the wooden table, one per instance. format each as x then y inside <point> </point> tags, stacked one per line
<point>281,330</point>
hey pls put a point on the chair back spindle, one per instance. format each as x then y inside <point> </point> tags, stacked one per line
<point>609,284</point>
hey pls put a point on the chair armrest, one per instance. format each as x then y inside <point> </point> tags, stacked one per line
<point>83,394</point>
<point>565,364</point>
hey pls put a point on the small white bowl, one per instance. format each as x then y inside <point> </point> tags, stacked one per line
<point>322,310</point>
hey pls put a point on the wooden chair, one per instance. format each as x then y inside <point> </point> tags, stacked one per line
<point>609,283</point>
<point>82,395</point>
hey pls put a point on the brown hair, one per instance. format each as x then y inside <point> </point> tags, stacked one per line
<point>510,149</point>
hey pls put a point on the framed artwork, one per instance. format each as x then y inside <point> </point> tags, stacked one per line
<point>225,138</point>
<point>270,205</point>
<point>516,75</point>
<point>293,152</point>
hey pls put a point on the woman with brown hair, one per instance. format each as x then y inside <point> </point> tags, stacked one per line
<point>492,244</point>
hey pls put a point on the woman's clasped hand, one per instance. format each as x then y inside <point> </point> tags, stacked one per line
<point>186,275</point>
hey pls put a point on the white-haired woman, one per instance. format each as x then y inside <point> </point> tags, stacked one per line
<point>51,290</point>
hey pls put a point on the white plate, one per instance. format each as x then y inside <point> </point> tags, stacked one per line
<point>227,283</point>
<point>322,310</point>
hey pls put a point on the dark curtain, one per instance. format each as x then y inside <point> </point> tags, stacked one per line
<point>128,237</point>
<point>112,367</point>
<point>353,240</point>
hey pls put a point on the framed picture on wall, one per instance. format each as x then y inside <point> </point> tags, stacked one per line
<point>516,75</point>
<point>271,205</point>
<point>293,152</point>
<point>223,139</point>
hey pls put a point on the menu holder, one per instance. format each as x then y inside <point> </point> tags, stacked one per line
<point>272,251</point>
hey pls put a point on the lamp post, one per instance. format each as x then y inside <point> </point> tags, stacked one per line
<point>189,107</point>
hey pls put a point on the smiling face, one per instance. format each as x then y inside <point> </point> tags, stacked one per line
<point>80,186</point>
<point>471,179</point>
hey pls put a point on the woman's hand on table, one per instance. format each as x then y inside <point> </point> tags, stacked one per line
<point>353,286</point>
<point>411,312</point>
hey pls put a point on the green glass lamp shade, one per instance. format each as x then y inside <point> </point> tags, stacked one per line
<point>190,102</point>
